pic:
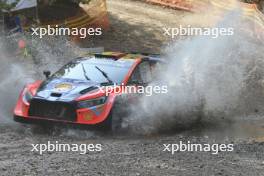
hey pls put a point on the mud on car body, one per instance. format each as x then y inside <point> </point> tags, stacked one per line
<point>75,93</point>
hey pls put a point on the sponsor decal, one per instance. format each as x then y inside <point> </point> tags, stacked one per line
<point>63,87</point>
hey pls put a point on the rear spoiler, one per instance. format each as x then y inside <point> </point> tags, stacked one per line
<point>99,53</point>
<point>146,54</point>
<point>110,55</point>
<point>152,57</point>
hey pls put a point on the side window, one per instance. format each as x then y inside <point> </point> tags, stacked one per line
<point>156,69</point>
<point>142,74</point>
<point>135,77</point>
<point>145,72</point>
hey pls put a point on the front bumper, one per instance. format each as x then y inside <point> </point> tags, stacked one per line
<point>33,120</point>
<point>49,123</point>
<point>87,116</point>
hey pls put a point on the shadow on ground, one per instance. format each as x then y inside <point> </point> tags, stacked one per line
<point>126,37</point>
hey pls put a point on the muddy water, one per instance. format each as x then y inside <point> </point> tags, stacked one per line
<point>240,130</point>
<point>251,130</point>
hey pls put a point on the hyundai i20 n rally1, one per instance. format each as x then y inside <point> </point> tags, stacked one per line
<point>75,93</point>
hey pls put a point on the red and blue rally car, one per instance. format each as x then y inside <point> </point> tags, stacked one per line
<point>73,94</point>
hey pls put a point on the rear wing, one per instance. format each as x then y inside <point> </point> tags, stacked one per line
<point>152,57</point>
<point>100,53</point>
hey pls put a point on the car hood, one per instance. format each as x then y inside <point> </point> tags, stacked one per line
<point>65,89</point>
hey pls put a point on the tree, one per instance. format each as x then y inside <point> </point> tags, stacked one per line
<point>83,1</point>
<point>7,6</point>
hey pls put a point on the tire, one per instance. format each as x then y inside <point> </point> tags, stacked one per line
<point>114,120</point>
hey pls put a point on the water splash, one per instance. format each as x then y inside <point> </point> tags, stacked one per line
<point>209,78</point>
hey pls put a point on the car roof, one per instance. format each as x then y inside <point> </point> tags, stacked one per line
<point>123,57</point>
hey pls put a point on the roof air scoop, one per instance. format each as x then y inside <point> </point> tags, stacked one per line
<point>55,94</point>
<point>89,89</point>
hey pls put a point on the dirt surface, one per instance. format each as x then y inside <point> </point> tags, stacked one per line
<point>125,155</point>
<point>135,26</point>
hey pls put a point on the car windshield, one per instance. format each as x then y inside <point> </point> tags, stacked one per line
<point>97,70</point>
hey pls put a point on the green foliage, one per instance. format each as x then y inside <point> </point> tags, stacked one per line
<point>51,2</point>
<point>4,5</point>
<point>82,1</point>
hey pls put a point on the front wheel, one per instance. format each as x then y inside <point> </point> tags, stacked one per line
<point>115,118</point>
<point>112,123</point>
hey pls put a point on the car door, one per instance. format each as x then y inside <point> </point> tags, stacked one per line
<point>142,75</point>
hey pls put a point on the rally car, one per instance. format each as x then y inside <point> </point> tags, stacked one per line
<point>75,93</point>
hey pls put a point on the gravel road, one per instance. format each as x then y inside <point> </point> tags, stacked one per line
<point>135,26</point>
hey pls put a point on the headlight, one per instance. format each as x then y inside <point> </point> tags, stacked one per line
<point>91,103</point>
<point>27,97</point>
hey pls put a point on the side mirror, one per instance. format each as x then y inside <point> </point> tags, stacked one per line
<point>46,73</point>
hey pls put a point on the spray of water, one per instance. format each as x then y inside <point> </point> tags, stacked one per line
<point>207,78</point>
<point>17,69</point>
<point>11,76</point>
